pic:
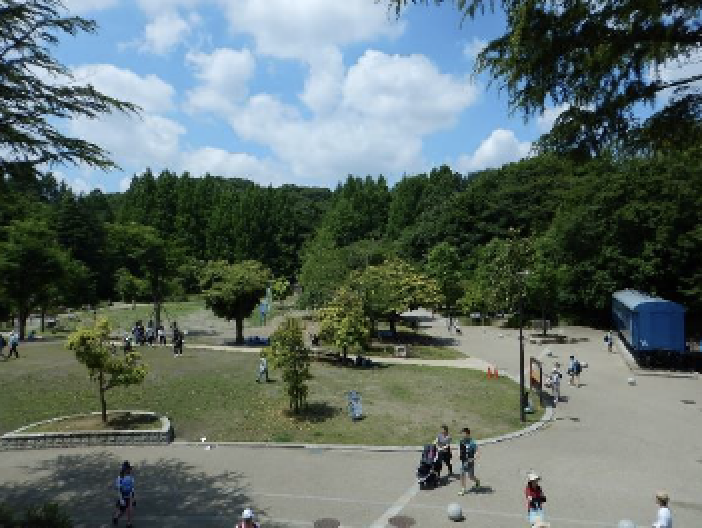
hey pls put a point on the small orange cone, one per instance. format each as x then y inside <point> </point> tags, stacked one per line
<point>489,373</point>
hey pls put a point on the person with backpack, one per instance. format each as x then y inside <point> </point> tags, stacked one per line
<point>14,345</point>
<point>468,451</point>
<point>574,370</point>
<point>247,520</point>
<point>125,495</point>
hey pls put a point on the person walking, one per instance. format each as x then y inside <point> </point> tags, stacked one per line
<point>555,380</point>
<point>262,369</point>
<point>177,341</point>
<point>3,343</point>
<point>247,520</point>
<point>125,491</point>
<point>535,499</point>
<point>609,341</point>
<point>161,335</point>
<point>14,345</point>
<point>574,370</point>
<point>664,518</point>
<point>443,446</point>
<point>468,451</point>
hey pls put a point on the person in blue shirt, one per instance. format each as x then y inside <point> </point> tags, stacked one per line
<point>14,344</point>
<point>468,451</point>
<point>125,495</point>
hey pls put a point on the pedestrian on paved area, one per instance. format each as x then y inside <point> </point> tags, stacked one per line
<point>125,491</point>
<point>247,520</point>
<point>608,340</point>
<point>468,451</point>
<point>574,370</point>
<point>665,517</point>
<point>443,445</point>
<point>555,379</point>
<point>262,369</point>
<point>14,345</point>
<point>535,499</point>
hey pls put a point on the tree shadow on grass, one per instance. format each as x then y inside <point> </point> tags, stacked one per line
<point>169,492</point>
<point>315,412</point>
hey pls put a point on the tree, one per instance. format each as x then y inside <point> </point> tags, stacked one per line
<point>444,266</point>
<point>392,288</point>
<point>232,291</point>
<point>92,348</point>
<point>147,255</point>
<point>288,352</point>
<point>343,323</point>
<point>32,266</point>
<point>38,92</point>
<point>601,59</point>
<point>281,288</point>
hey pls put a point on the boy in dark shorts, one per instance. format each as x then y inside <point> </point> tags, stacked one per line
<point>125,490</point>
<point>468,450</point>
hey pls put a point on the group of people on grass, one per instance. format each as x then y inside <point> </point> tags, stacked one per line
<point>150,335</point>
<point>12,341</point>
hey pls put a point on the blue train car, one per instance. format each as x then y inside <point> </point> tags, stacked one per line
<point>648,324</point>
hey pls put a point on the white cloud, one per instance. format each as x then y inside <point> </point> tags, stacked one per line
<point>474,47</point>
<point>323,85</point>
<point>84,6</point>
<point>224,75</point>
<point>299,29</point>
<point>125,183</point>
<point>164,33</point>
<point>388,104</point>
<point>220,162</point>
<point>545,121</point>
<point>502,146</point>
<point>148,91</point>
<point>408,90</point>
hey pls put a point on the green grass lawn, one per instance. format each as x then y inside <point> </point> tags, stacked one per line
<point>214,394</point>
<point>418,352</point>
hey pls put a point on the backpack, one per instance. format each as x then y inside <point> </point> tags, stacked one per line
<point>467,450</point>
<point>126,485</point>
<point>577,367</point>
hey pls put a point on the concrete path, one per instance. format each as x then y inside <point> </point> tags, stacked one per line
<point>610,447</point>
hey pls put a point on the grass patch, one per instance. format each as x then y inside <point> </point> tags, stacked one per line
<point>120,421</point>
<point>214,394</point>
<point>418,352</point>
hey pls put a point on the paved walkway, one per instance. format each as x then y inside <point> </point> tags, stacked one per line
<point>610,447</point>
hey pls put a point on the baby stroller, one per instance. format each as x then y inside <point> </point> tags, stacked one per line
<point>429,468</point>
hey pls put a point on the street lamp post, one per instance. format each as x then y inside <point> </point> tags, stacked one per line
<point>522,411</point>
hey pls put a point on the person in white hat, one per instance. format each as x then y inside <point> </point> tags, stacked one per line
<point>665,518</point>
<point>247,520</point>
<point>535,498</point>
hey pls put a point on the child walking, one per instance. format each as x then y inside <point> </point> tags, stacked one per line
<point>125,490</point>
<point>468,450</point>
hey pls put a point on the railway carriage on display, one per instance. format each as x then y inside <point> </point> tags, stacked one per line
<point>653,329</point>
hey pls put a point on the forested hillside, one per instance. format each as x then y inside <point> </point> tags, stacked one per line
<point>594,227</point>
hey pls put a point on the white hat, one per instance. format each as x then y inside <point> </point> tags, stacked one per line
<point>531,477</point>
<point>247,514</point>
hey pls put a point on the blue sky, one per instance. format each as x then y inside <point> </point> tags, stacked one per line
<point>290,91</point>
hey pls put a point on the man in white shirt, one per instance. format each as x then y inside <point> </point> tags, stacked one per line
<point>665,518</point>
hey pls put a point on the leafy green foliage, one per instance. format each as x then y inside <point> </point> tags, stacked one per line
<point>281,288</point>
<point>93,349</point>
<point>288,353</point>
<point>232,291</point>
<point>49,515</point>
<point>392,288</point>
<point>444,266</point>
<point>597,58</point>
<point>38,91</point>
<point>343,322</point>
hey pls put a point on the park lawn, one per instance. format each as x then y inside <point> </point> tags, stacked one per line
<point>121,421</point>
<point>418,352</point>
<point>215,395</point>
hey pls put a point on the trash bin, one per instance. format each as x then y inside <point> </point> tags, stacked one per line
<point>355,405</point>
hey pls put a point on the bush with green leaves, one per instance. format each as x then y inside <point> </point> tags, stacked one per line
<point>289,353</point>
<point>49,515</point>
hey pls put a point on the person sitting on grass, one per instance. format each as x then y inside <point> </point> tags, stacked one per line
<point>125,490</point>
<point>468,451</point>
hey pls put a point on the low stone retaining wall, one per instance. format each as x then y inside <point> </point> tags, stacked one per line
<point>20,439</point>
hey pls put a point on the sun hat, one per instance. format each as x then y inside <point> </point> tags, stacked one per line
<point>531,477</point>
<point>662,496</point>
<point>247,514</point>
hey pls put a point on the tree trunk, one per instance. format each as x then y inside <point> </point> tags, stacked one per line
<point>22,320</point>
<point>157,313</point>
<point>393,327</point>
<point>239,330</point>
<point>543,321</point>
<point>43,317</point>
<point>103,401</point>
